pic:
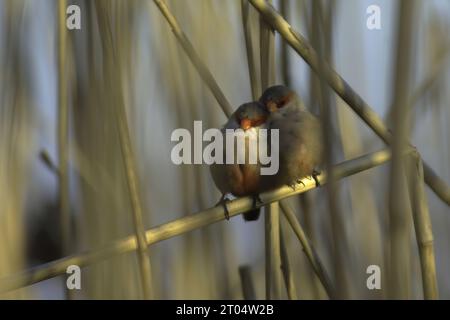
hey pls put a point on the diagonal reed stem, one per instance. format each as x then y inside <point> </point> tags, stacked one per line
<point>248,290</point>
<point>310,253</point>
<point>286,269</point>
<point>186,224</point>
<point>342,88</point>
<point>201,67</point>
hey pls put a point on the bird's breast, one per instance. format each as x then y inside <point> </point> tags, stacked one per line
<point>249,172</point>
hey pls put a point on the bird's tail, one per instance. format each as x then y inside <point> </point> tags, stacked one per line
<point>252,215</point>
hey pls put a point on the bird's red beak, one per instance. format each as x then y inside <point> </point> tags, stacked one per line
<point>246,124</point>
<point>272,106</point>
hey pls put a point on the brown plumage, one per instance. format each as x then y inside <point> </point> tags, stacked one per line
<point>300,135</point>
<point>242,179</point>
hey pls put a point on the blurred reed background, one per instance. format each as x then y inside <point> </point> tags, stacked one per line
<point>72,101</point>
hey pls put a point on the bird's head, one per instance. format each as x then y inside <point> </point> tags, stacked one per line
<point>251,115</point>
<point>279,97</point>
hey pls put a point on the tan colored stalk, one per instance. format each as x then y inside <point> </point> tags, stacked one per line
<point>186,224</point>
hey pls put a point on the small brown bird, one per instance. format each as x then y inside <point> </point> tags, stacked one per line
<point>242,179</point>
<point>300,135</point>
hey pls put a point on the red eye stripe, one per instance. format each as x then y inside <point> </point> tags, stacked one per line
<point>259,121</point>
<point>285,100</point>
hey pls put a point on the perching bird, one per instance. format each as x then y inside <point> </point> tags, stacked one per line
<point>300,135</point>
<point>242,179</point>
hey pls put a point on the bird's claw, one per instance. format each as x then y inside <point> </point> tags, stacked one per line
<point>223,202</point>
<point>257,200</point>
<point>314,175</point>
<point>293,185</point>
<point>300,181</point>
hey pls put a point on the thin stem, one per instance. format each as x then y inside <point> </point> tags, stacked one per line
<point>309,251</point>
<point>272,221</point>
<point>252,67</point>
<point>423,229</point>
<point>186,224</point>
<point>399,214</point>
<point>286,269</point>
<point>267,54</point>
<point>63,136</point>
<point>189,49</point>
<point>284,55</point>
<point>127,154</point>
<point>273,255</point>
<point>248,289</point>
<point>322,28</point>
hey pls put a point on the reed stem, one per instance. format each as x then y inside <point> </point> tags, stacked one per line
<point>248,289</point>
<point>423,229</point>
<point>186,224</point>
<point>189,49</point>
<point>286,269</point>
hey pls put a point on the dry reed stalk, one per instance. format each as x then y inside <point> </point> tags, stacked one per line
<point>248,289</point>
<point>428,81</point>
<point>252,64</point>
<point>423,228</point>
<point>112,64</point>
<point>204,72</point>
<point>322,28</point>
<point>287,79</point>
<point>272,219</point>
<point>63,137</point>
<point>366,217</point>
<point>267,54</point>
<point>399,219</point>
<point>286,269</point>
<point>186,224</point>
<point>309,251</point>
<point>305,200</point>
<point>343,89</point>
<point>273,255</point>
<point>201,67</point>
<point>284,54</point>
<point>16,141</point>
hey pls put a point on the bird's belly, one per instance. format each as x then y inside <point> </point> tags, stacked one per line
<point>248,182</point>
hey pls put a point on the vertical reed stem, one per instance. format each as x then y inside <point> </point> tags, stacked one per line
<point>252,66</point>
<point>63,135</point>
<point>267,52</point>
<point>399,218</point>
<point>423,229</point>
<point>273,256</point>
<point>113,75</point>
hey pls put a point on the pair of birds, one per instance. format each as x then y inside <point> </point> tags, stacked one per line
<point>300,145</point>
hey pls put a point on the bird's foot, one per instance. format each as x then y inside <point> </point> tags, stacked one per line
<point>223,202</point>
<point>300,181</point>
<point>315,173</point>
<point>257,201</point>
